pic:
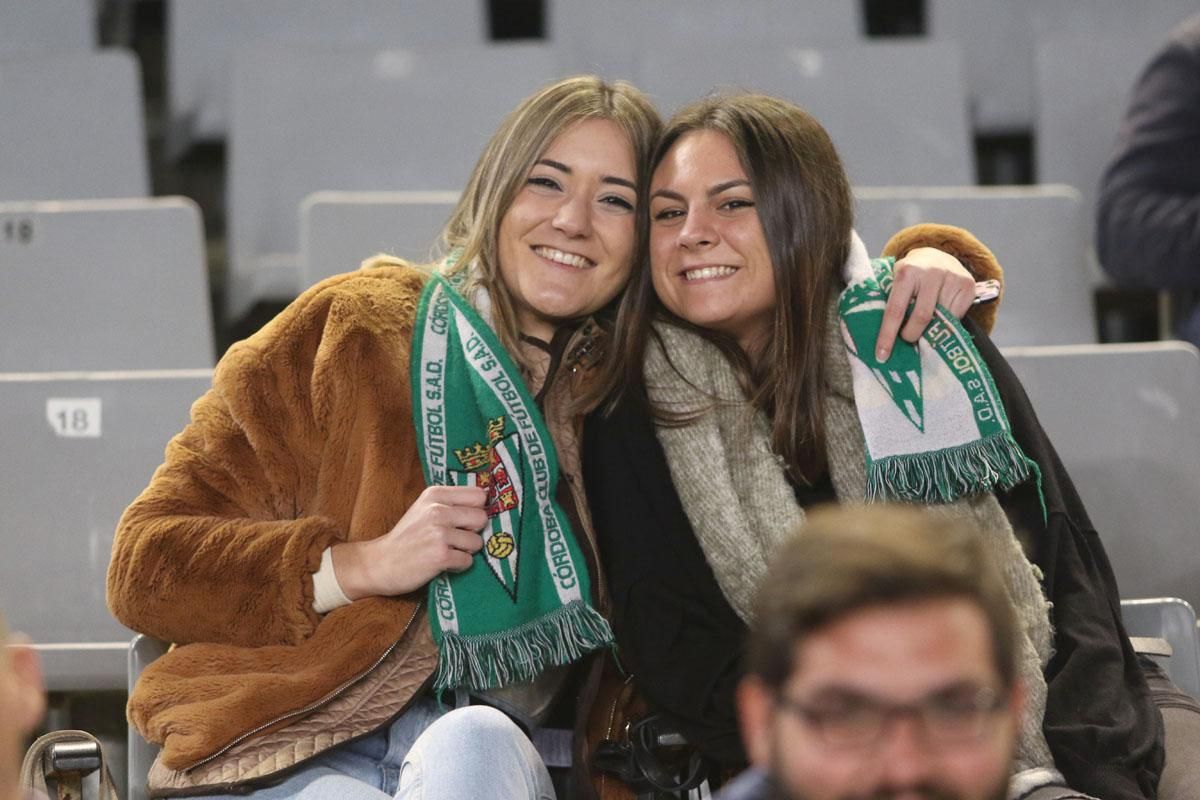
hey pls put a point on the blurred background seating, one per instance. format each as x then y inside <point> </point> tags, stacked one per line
<point>349,227</point>
<point>104,285</point>
<point>173,171</point>
<point>1125,420</point>
<point>1037,232</point>
<point>306,119</point>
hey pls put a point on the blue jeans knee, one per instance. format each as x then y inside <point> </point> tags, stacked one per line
<point>474,751</point>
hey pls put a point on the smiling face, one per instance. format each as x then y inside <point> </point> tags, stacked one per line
<point>566,244</point>
<point>708,253</point>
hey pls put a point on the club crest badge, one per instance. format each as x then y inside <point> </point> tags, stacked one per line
<point>494,467</point>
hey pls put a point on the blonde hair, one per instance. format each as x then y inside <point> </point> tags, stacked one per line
<point>471,237</point>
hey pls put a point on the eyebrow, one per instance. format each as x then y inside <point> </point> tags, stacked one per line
<point>838,691</point>
<point>561,167</point>
<point>716,190</point>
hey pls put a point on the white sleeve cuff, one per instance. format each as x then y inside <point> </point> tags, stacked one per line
<point>327,592</point>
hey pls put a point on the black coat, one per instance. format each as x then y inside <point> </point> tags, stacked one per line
<point>683,641</point>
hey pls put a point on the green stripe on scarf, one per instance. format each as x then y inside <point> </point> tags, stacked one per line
<point>522,606</point>
<point>934,424</point>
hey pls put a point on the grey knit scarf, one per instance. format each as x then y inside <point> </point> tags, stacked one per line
<point>741,506</point>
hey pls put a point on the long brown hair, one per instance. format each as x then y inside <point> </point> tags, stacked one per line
<point>472,233</point>
<point>806,209</point>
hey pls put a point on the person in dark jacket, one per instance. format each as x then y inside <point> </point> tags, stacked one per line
<point>1148,215</point>
<point>745,268</point>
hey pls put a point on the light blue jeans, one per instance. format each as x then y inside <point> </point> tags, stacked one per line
<point>426,754</point>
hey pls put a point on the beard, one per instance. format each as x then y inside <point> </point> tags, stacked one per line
<point>777,788</point>
<point>926,792</point>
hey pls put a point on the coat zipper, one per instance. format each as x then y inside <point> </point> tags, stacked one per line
<point>313,706</point>
<point>612,710</point>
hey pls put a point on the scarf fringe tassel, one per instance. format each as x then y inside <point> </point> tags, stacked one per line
<point>943,476</point>
<point>487,661</point>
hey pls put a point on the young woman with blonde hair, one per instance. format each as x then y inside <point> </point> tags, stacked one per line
<point>377,512</point>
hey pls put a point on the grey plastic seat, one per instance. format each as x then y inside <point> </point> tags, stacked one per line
<point>1174,621</point>
<point>999,71</point>
<point>104,284</point>
<point>1108,17</point>
<point>338,230</point>
<point>205,35</point>
<point>73,128</point>
<point>1037,233</point>
<point>78,448</point>
<point>1083,86</point>
<point>1001,40</point>
<point>896,112</point>
<point>612,37</point>
<point>47,26</point>
<point>307,120</point>
<point>141,651</point>
<point>1125,420</point>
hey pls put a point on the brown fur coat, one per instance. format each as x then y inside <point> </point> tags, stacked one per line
<point>306,439</point>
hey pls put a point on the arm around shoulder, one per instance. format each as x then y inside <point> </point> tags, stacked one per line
<point>962,244</point>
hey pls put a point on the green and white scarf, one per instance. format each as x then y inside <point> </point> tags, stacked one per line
<point>523,604</point>
<point>934,425</point>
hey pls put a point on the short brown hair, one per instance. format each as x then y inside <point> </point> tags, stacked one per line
<point>845,559</point>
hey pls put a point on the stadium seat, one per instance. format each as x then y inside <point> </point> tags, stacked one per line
<point>79,113</point>
<point>1173,621</point>
<point>142,650</point>
<point>897,112</point>
<point>1125,419</point>
<point>338,230</point>
<point>1106,18</point>
<point>998,40</point>
<point>47,26</point>
<point>78,448</point>
<point>1036,232</point>
<point>103,285</point>
<point>610,38</point>
<point>306,120</point>
<point>204,36</point>
<point>1083,86</point>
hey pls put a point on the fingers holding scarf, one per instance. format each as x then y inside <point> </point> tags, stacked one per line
<point>438,533</point>
<point>924,278</point>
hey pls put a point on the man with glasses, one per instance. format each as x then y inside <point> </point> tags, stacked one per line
<point>883,664</point>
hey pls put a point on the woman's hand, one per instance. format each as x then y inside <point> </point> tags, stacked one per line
<point>925,277</point>
<point>439,532</point>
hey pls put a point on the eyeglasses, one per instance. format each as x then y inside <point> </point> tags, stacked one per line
<point>953,717</point>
